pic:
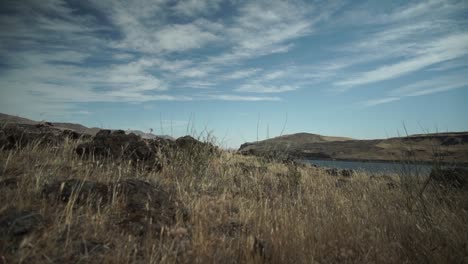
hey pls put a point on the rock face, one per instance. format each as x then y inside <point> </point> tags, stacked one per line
<point>18,222</point>
<point>146,204</point>
<point>189,143</point>
<point>117,144</point>
<point>336,172</point>
<point>14,225</point>
<point>455,177</point>
<point>332,172</point>
<point>9,183</point>
<point>83,191</point>
<point>21,135</point>
<point>143,202</point>
<point>13,136</point>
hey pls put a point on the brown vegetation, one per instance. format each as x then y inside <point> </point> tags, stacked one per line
<point>205,206</point>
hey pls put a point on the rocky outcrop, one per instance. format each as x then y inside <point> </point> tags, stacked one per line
<point>81,191</point>
<point>336,172</point>
<point>15,225</point>
<point>455,177</point>
<point>188,143</point>
<point>143,203</point>
<point>22,135</point>
<point>116,144</point>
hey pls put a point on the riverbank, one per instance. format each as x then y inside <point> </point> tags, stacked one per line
<point>441,148</point>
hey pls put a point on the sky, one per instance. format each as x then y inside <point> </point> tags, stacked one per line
<point>238,71</point>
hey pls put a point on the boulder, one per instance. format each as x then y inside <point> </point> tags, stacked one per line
<point>84,191</point>
<point>103,133</point>
<point>144,204</point>
<point>455,177</point>
<point>189,143</point>
<point>21,135</point>
<point>9,183</point>
<point>119,132</point>
<point>15,222</point>
<point>14,225</point>
<point>336,172</point>
<point>71,134</point>
<point>119,145</point>
<point>332,172</point>
<point>347,173</point>
<point>3,139</point>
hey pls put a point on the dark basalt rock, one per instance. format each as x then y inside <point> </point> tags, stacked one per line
<point>189,143</point>
<point>119,145</point>
<point>103,133</point>
<point>336,172</point>
<point>332,172</point>
<point>347,173</point>
<point>9,183</point>
<point>145,205</point>
<point>84,191</point>
<point>455,177</point>
<point>118,132</point>
<point>71,134</point>
<point>15,222</point>
<point>14,225</point>
<point>22,135</point>
<point>44,134</point>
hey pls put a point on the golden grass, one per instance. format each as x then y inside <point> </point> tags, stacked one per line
<point>238,213</point>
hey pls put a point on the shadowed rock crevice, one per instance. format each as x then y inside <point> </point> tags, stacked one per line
<point>144,204</point>
<point>15,225</point>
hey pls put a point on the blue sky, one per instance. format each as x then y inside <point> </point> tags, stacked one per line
<point>239,70</point>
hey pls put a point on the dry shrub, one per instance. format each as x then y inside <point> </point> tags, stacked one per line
<point>230,209</point>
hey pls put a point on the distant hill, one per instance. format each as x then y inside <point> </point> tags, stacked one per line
<point>290,142</point>
<point>451,147</point>
<point>4,118</point>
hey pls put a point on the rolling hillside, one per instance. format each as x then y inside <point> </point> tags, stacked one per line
<point>446,147</point>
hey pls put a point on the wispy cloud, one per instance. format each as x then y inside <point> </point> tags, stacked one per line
<point>230,97</point>
<point>444,49</point>
<point>433,85</point>
<point>259,88</point>
<point>424,87</point>
<point>374,102</point>
<point>240,74</point>
<point>196,7</point>
<point>60,54</point>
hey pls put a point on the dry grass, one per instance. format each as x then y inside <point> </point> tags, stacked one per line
<point>241,210</point>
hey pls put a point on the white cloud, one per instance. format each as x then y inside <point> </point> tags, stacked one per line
<point>240,74</point>
<point>425,87</point>
<point>199,84</point>
<point>229,97</point>
<point>182,37</point>
<point>379,101</point>
<point>443,49</point>
<point>259,88</point>
<point>267,27</point>
<point>451,65</point>
<point>274,75</point>
<point>433,85</point>
<point>195,7</point>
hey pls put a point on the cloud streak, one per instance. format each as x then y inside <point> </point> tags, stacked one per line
<point>57,54</point>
